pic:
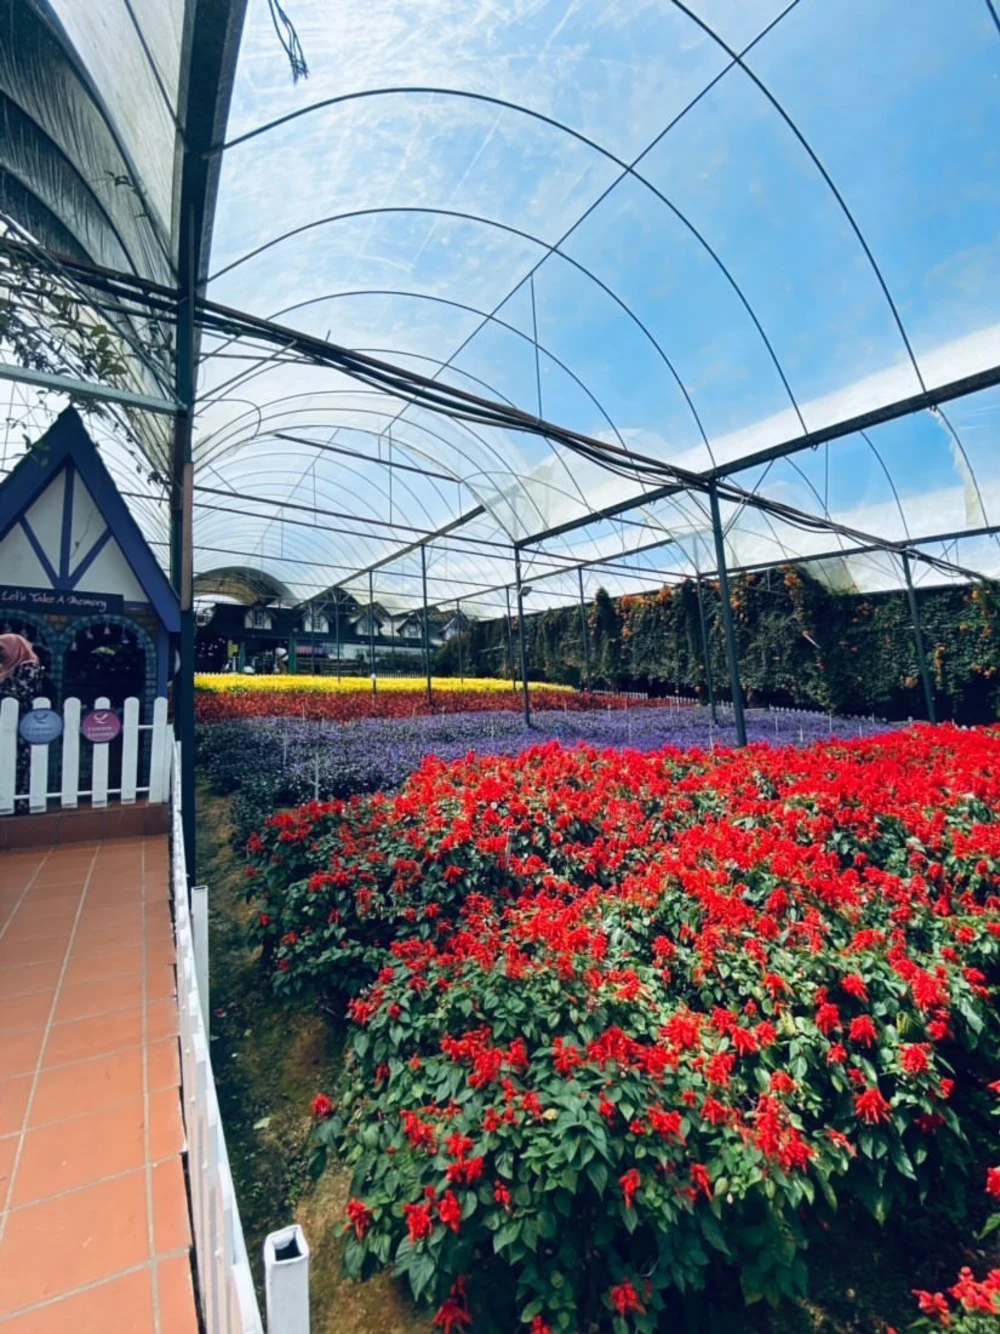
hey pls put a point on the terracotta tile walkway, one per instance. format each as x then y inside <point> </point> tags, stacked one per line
<point>94,1232</point>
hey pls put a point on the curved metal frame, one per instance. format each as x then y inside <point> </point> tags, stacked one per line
<point>461,216</point>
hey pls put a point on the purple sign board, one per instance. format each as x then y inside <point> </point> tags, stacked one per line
<point>40,726</point>
<point>101,725</point>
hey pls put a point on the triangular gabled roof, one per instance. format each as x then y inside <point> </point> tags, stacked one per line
<point>66,442</point>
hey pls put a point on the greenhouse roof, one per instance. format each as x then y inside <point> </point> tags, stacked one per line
<point>740,241</point>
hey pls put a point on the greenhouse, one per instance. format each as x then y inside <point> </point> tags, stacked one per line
<point>500,666</point>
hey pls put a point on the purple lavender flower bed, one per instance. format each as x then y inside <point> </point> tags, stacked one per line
<point>297,760</point>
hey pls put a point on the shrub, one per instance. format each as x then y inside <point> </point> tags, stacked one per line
<point>629,1014</point>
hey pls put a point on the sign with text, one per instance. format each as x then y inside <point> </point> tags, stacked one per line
<point>59,602</point>
<point>101,725</point>
<point>40,726</point>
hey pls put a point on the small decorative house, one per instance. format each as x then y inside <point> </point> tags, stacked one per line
<point>77,578</point>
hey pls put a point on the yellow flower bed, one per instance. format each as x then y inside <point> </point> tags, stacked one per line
<point>221,683</point>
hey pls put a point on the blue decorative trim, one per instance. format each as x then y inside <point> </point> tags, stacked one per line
<point>67,527</point>
<point>36,547</point>
<point>89,559</point>
<point>68,442</point>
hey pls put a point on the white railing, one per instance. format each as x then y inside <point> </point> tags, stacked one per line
<point>228,1300</point>
<point>141,775</point>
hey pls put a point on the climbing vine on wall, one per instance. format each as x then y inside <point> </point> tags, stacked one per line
<point>799,643</point>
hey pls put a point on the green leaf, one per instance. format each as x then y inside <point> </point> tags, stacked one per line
<point>421,1273</point>
<point>506,1235</point>
<point>598,1174</point>
<point>901,1160</point>
<point>712,1232</point>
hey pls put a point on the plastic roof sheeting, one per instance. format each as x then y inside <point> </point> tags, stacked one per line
<point>698,229</point>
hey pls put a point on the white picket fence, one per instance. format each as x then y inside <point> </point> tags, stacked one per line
<point>228,1300</point>
<point>154,784</point>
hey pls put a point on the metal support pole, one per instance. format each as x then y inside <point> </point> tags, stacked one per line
<point>510,643</point>
<point>584,631</point>
<point>336,622</point>
<point>427,632</point>
<point>458,616</point>
<point>918,640</point>
<point>705,650</point>
<point>371,623</point>
<point>727,619</point>
<point>521,638</point>
<point>182,537</point>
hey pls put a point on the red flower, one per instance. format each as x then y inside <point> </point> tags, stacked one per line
<point>360,1217</point>
<point>914,1058</point>
<point>863,1030</point>
<point>449,1210</point>
<point>322,1107</point>
<point>854,985</point>
<point>700,1180</point>
<point>538,1326</point>
<point>501,1194</point>
<point>624,1298</point>
<point>454,1310</point>
<point>457,1146</point>
<point>667,1124</point>
<point>630,1184</point>
<point>871,1107</point>
<point>827,1018</point>
<point>418,1221</point>
<point>993,1181</point>
<point>934,1304</point>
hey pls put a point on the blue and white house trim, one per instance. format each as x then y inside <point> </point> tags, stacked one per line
<point>68,537</point>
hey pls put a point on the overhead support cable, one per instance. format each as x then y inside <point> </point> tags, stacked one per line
<point>465,406</point>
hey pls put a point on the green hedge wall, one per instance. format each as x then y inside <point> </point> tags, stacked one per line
<point>798,643</point>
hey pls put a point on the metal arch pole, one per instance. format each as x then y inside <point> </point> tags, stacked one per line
<point>371,623</point>
<point>458,615</point>
<point>521,638</point>
<point>918,640</point>
<point>584,630</point>
<point>427,630</point>
<point>727,619</point>
<point>510,642</point>
<point>709,685</point>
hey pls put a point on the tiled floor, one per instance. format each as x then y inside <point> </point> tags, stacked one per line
<point>94,1232</point>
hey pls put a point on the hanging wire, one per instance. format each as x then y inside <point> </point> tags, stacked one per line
<point>289,40</point>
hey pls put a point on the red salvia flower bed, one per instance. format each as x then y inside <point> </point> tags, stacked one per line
<point>619,1018</point>
<point>346,706</point>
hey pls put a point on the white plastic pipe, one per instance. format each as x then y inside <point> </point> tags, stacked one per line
<point>286,1281</point>
<point>199,934</point>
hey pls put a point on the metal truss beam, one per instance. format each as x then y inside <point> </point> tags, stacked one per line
<point>100,393</point>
